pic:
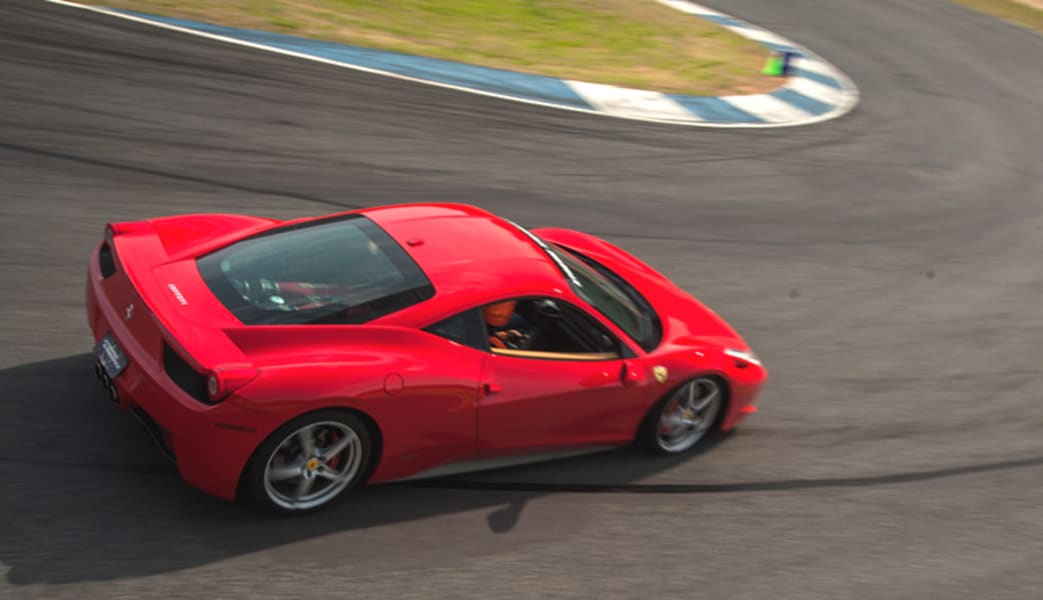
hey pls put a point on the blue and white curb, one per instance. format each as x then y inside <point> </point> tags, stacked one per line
<point>817,91</point>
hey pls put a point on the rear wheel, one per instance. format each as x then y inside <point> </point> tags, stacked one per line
<point>684,417</point>
<point>310,461</point>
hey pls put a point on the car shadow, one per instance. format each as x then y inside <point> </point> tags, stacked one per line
<point>88,497</point>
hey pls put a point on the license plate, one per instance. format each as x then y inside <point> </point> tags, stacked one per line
<point>113,360</point>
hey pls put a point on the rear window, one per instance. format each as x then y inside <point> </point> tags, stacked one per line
<point>345,270</point>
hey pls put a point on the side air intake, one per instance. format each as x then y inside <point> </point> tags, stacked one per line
<point>106,260</point>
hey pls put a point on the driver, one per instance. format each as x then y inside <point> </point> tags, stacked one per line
<point>505,327</point>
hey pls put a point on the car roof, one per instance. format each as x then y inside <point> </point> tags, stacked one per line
<point>470,255</point>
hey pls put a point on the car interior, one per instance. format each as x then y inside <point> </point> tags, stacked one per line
<point>541,328</point>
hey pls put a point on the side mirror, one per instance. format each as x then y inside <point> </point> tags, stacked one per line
<point>549,309</point>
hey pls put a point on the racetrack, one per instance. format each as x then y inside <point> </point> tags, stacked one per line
<point>884,265</point>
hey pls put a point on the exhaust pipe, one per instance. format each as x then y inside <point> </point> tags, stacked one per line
<point>114,394</point>
<point>106,382</point>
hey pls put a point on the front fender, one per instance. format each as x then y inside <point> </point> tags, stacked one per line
<point>743,379</point>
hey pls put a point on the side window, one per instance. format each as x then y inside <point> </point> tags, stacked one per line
<point>465,328</point>
<point>589,332</point>
<point>546,328</point>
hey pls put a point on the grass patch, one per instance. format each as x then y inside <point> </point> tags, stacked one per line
<point>631,43</point>
<point>1024,12</point>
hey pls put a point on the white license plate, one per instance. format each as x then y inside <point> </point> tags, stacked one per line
<point>113,360</point>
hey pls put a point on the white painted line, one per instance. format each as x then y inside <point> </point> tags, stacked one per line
<point>624,102</point>
<point>768,107</point>
<point>621,103</point>
<point>761,35</point>
<point>692,8</point>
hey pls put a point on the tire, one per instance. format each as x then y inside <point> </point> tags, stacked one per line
<point>309,462</point>
<point>685,417</point>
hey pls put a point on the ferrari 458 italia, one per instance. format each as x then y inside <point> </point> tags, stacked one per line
<point>290,361</point>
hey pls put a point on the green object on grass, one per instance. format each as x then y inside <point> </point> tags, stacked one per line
<point>775,65</point>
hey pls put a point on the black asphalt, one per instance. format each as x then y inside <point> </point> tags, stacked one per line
<point>886,267</point>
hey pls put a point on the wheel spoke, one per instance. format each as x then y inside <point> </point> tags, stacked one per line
<point>332,449</point>
<point>303,487</point>
<point>327,473</point>
<point>307,440</point>
<point>691,412</point>
<point>670,423</point>
<point>329,453</point>
<point>284,472</point>
<point>707,400</point>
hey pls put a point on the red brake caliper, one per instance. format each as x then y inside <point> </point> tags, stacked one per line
<point>334,461</point>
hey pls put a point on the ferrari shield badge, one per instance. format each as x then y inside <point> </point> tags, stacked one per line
<point>660,373</point>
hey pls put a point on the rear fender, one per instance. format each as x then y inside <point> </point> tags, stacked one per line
<point>420,391</point>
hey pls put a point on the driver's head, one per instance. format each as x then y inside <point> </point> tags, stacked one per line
<point>497,315</point>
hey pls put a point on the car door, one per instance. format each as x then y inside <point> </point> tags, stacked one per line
<point>560,394</point>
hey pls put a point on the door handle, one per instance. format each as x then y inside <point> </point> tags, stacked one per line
<point>489,389</point>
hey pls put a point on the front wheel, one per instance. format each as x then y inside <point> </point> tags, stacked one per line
<point>309,461</point>
<point>684,417</point>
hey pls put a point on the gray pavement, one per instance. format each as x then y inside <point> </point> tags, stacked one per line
<point>884,266</point>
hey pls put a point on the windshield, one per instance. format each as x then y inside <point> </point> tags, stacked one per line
<point>609,294</point>
<point>344,270</point>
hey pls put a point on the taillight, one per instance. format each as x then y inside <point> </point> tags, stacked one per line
<point>222,381</point>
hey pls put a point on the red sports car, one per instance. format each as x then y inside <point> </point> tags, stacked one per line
<point>293,360</point>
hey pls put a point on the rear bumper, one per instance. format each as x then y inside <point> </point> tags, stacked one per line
<point>210,444</point>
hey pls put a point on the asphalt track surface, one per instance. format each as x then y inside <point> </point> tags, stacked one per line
<point>886,267</point>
